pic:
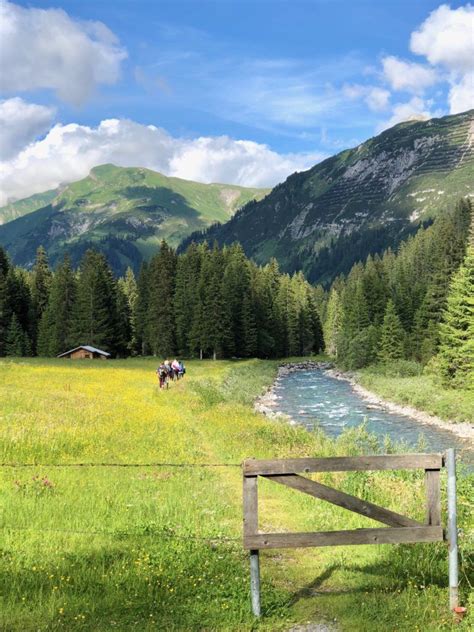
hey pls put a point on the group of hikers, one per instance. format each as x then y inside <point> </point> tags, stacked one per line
<point>170,371</point>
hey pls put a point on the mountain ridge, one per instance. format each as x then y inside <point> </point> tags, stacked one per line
<point>359,201</point>
<point>123,211</point>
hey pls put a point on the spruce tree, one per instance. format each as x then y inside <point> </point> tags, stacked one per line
<point>55,327</point>
<point>456,351</point>
<point>4,309</point>
<point>128,289</point>
<point>17,341</point>
<point>392,335</point>
<point>161,284</point>
<point>333,325</point>
<point>140,312</point>
<point>95,318</point>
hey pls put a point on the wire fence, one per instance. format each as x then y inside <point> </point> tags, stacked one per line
<point>125,534</point>
<point>179,465</point>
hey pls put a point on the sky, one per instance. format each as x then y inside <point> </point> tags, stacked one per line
<point>244,92</point>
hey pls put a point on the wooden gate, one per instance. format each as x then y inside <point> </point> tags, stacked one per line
<point>399,529</point>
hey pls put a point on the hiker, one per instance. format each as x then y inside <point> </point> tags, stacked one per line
<point>162,375</point>
<point>175,367</point>
<point>181,369</point>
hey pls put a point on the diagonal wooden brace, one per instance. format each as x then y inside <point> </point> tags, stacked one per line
<point>336,497</point>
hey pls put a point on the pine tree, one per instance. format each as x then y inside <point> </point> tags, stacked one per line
<point>161,284</point>
<point>17,342</point>
<point>4,309</point>
<point>456,352</point>
<point>391,335</point>
<point>249,340</point>
<point>140,312</point>
<point>128,289</point>
<point>333,325</point>
<point>41,283</point>
<point>55,327</point>
<point>95,318</point>
<point>186,298</point>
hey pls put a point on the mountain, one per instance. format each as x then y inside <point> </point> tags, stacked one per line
<point>358,202</point>
<point>124,212</point>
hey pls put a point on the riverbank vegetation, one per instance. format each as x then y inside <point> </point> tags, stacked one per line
<point>148,548</point>
<point>415,305</point>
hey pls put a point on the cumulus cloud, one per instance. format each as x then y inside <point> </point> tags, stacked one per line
<point>20,124</point>
<point>407,75</point>
<point>68,152</point>
<point>461,94</point>
<point>45,48</point>
<point>446,38</point>
<point>414,110</point>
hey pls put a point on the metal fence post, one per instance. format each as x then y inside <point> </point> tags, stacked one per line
<point>452,530</point>
<point>255,581</point>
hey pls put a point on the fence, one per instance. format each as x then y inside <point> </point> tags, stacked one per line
<point>401,529</point>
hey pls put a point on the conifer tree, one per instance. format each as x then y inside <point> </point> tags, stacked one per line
<point>95,311</point>
<point>333,324</point>
<point>17,342</point>
<point>391,335</point>
<point>140,312</point>
<point>55,327</point>
<point>161,284</point>
<point>4,310</point>
<point>127,311</point>
<point>456,352</point>
<point>186,297</point>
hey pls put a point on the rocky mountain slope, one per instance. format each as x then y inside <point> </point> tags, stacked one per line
<point>125,212</point>
<point>359,201</point>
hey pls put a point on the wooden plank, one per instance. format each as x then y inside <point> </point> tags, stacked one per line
<point>343,464</point>
<point>250,502</point>
<point>433,500</point>
<point>384,535</point>
<point>352,503</point>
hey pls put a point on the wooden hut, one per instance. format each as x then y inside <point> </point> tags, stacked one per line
<point>85,352</point>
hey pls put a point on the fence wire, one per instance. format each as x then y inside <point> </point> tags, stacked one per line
<point>180,465</point>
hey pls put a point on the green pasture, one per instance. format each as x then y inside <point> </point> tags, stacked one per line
<point>158,548</point>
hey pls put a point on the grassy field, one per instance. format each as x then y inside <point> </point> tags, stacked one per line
<point>158,548</point>
<point>423,392</point>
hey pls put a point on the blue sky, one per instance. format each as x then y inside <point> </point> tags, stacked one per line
<point>304,79</point>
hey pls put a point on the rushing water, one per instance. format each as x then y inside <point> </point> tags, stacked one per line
<point>314,398</point>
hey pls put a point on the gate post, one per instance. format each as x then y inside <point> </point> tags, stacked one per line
<point>452,530</point>
<point>255,581</point>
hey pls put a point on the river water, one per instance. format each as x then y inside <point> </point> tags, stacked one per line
<point>314,398</point>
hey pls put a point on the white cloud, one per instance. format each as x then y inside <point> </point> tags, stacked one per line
<point>20,124</point>
<point>446,38</point>
<point>407,75</point>
<point>68,152</point>
<point>414,110</point>
<point>461,94</point>
<point>45,48</point>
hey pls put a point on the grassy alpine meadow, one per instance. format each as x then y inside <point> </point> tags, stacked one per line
<point>159,548</point>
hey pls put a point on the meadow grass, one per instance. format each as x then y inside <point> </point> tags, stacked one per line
<point>423,392</point>
<point>158,548</point>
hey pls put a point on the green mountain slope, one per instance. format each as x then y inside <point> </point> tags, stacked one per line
<point>27,205</point>
<point>360,201</point>
<point>125,212</point>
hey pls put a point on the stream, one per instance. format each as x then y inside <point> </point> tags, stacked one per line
<point>315,399</point>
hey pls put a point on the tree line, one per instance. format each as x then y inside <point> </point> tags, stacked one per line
<point>206,302</point>
<point>415,304</point>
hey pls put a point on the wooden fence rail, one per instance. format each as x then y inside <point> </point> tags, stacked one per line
<point>400,529</point>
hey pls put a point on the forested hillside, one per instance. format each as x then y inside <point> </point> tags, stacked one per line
<point>205,303</point>
<point>358,202</point>
<point>408,304</point>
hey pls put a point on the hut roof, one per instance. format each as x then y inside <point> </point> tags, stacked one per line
<point>87,348</point>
